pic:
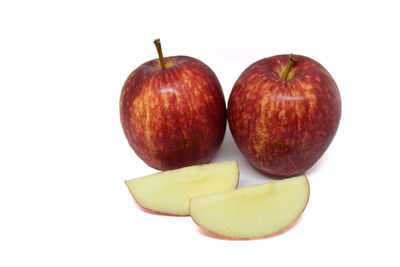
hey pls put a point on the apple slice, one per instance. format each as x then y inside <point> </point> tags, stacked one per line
<point>254,211</point>
<point>169,192</point>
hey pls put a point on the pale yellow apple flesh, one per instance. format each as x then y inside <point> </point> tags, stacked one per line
<point>169,192</point>
<point>254,211</point>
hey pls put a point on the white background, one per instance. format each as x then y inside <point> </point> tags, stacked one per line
<point>63,155</point>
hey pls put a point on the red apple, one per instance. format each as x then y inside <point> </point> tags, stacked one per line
<point>283,113</point>
<point>173,112</point>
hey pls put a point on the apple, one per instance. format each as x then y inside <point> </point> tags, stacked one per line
<point>169,192</point>
<point>252,212</point>
<point>283,113</point>
<point>173,112</point>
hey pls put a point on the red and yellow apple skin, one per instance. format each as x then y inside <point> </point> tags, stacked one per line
<point>176,116</point>
<point>283,127</point>
<point>156,212</point>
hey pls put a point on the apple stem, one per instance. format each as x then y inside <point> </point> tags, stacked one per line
<point>285,73</point>
<point>159,51</point>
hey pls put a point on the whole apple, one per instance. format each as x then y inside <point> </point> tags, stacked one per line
<point>173,112</point>
<point>283,113</point>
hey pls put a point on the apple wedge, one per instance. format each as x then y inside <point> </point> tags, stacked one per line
<point>169,192</point>
<point>254,211</point>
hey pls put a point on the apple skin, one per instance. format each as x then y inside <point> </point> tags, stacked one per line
<point>282,127</point>
<point>176,116</point>
<point>156,212</point>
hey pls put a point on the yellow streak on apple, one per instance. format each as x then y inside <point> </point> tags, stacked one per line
<point>307,87</point>
<point>165,100</point>
<point>147,121</point>
<point>261,130</point>
<point>282,115</point>
<point>312,101</point>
